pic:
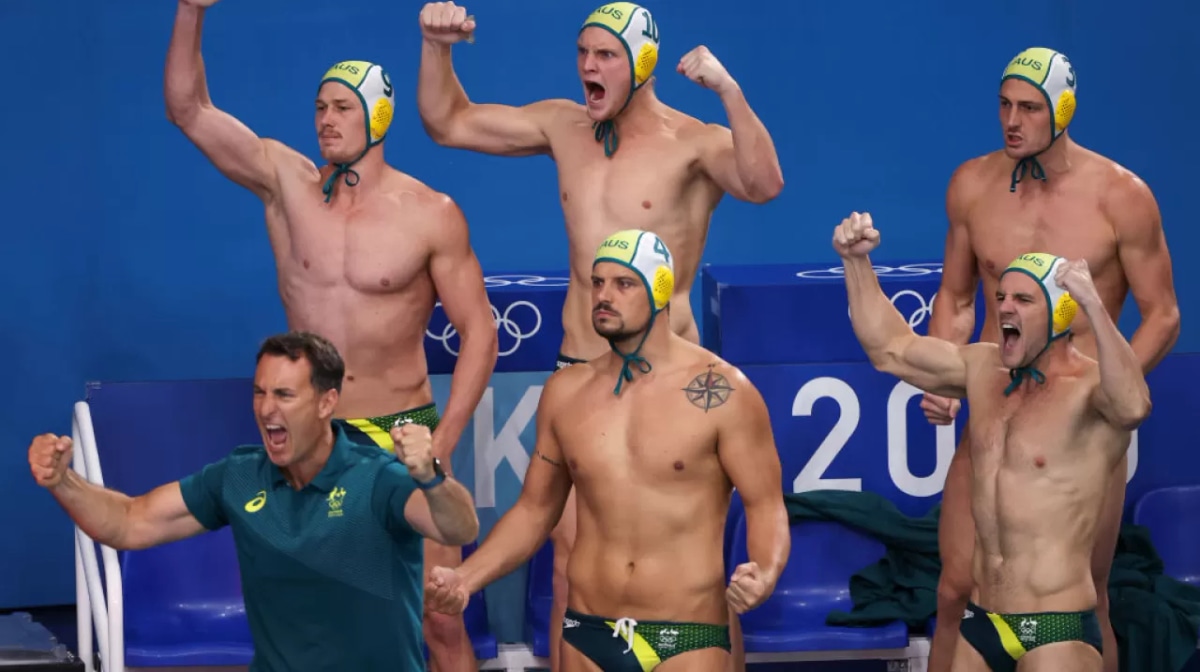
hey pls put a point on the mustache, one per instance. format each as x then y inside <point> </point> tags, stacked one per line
<point>606,306</point>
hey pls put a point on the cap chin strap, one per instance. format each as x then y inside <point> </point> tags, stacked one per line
<point>606,131</point>
<point>633,359</point>
<point>343,169</point>
<point>1019,374</point>
<point>1031,165</point>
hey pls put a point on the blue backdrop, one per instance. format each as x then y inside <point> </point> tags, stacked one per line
<point>128,257</point>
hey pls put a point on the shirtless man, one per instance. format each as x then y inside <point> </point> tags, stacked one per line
<point>1079,205</point>
<point>653,434</point>
<point>362,253</point>
<point>625,160</point>
<point>1048,426</point>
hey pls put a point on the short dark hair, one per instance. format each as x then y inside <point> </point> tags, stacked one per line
<point>328,369</point>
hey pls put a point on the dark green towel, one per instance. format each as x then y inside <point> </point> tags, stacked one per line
<point>1156,618</point>
<point>903,585</point>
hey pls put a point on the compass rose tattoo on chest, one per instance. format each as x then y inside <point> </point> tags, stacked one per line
<point>708,390</point>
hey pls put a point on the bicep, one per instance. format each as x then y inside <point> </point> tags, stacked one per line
<point>547,479</point>
<point>1142,249</point>
<point>161,516</point>
<point>456,273</point>
<point>959,268</point>
<point>929,364</point>
<point>503,130</point>
<point>235,150</point>
<point>746,448</point>
<point>718,158</point>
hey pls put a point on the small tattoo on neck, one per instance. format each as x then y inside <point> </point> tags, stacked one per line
<point>708,390</point>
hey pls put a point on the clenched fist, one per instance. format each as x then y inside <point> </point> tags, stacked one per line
<point>446,23</point>
<point>414,448</point>
<point>49,458</point>
<point>445,592</point>
<point>700,66</point>
<point>1075,277</point>
<point>747,588</point>
<point>939,410</point>
<point>855,236</point>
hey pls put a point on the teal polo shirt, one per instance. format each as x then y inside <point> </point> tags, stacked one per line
<point>331,573</point>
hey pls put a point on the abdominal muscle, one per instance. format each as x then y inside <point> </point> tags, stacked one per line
<point>1037,555</point>
<point>640,567</point>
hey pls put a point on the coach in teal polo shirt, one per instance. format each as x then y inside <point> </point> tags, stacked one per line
<point>328,532</point>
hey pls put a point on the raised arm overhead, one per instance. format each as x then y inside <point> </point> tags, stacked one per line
<point>232,147</point>
<point>449,116</point>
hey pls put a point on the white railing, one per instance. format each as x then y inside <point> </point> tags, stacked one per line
<point>105,610</point>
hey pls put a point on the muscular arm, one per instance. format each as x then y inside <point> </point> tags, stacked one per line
<point>953,315</point>
<point>233,148</point>
<point>928,363</point>
<point>458,280</point>
<point>123,522</point>
<point>452,120</point>
<point>445,514</point>
<point>746,448</point>
<point>522,530</point>
<point>1122,397</point>
<point>742,159</point>
<point>1142,249</point>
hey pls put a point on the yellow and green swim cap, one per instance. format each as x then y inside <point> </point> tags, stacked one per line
<point>647,255</point>
<point>1052,73</point>
<point>635,27</point>
<point>370,82</point>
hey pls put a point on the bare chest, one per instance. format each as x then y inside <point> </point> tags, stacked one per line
<point>1033,429</point>
<point>1067,222</point>
<point>642,439</point>
<point>371,246</point>
<point>649,183</point>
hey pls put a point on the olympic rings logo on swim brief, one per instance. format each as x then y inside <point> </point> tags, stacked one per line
<point>510,326</point>
<point>921,311</point>
<point>524,281</point>
<point>905,271</point>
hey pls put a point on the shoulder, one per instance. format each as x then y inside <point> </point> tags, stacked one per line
<point>712,383</point>
<point>282,155</point>
<point>424,206</point>
<point>247,454</point>
<point>554,113</point>
<point>972,176</point>
<point>701,134</point>
<point>564,383</point>
<point>982,357</point>
<point>1125,198</point>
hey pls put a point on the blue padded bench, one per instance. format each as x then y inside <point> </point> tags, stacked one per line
<point>183,604</point>
<point>815,581</point>
<point>1170,516</point>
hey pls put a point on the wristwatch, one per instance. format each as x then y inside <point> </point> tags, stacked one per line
<point>439,475</point>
